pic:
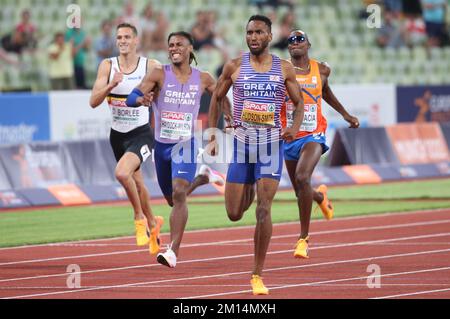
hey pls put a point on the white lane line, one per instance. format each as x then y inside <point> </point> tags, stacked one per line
<point>321,282</point>
<point>247,273</point>
<point>413,293</point>
<point>336,231</point>
<point>349,218</point>
<point>362,243</point>
<point>72,257</point>
<point>229,285</point>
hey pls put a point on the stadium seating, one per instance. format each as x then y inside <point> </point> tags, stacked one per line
<point>338,36</point>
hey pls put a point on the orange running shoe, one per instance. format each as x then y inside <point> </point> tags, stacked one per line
<point>141,232</point>
<point>325,206</point>
<point>155,241</point>
<point>301,248</point>
<point>258,286</point>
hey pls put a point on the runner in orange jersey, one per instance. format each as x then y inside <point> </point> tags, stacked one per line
<point>303,154</point>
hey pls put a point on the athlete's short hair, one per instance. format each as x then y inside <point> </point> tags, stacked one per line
<point>190,38</point>
<point>128,25</point>
<point>260,17</point>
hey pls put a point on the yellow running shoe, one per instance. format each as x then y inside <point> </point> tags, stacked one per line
<point>141,232</point>
<point>258,286</point>
<point>301,248</point>
<point>155,241</point>
<point>325,206</point>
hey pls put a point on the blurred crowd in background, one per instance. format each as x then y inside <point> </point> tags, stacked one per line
<point>405,23</point>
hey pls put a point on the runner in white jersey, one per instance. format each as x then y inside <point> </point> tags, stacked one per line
<point>130,135</point>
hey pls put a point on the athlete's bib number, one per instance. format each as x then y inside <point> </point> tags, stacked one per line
<point>309,119</point>
<point>175,125</point>
<point>258,115</point>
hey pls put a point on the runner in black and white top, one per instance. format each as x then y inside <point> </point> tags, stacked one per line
<point>130,137</point>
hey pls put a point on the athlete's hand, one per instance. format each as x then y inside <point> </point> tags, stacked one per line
<point>147,99</point>
<point>117,78</point>
<point>228,123</point>
<point>288,134</point>
<point>212,149</point>
<point>353,121</point>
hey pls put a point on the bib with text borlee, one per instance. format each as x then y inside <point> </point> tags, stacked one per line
<point>309,119</point>
<point>258,115</point>
<point>175,125</point>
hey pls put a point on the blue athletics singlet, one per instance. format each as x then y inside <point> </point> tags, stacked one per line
<point>257,99</point>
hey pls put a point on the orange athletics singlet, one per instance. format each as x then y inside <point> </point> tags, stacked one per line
<point>311,87</point>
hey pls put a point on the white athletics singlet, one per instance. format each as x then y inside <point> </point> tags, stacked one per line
<point>125,118</point>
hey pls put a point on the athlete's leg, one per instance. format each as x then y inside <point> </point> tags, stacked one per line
<point>163,166</point>
<point>309,157</point>
<point>179,214</point>
<point>144,196</point>
<point>266,189</point>
<point>238,199</point>
<point>124,171</point>
<point>199,180</point>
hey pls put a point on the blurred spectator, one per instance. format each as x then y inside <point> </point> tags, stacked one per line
<point>363,13</point>
<point>129,16</point>
<point>14,42</point>
<point>11,59</point>
<point>390,34</point>
<point>159,37</point>
<point>272,3</point>
<point>105,45</point>
<point>434,12</point>
<point>225,58</point>
<point>411,7</point>
<point>287,24</point>
<point>148,26</point>
<point>394,6</point>
<point>272,15</point>
<point>61,69</point>
<point>28,29</point>
<point>414,27</point>
<point>203,31</point>
<point>81,43</point>
<point>154,28</point>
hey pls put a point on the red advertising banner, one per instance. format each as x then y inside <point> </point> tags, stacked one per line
<point>69,194</point>
<point>362,174</point>
<point>418,143</point>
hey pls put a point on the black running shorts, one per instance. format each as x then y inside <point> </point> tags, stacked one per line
<point>138,141</point>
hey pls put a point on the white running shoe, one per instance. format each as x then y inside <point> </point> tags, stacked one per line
<point>213,176</point>
<point>168,258</point>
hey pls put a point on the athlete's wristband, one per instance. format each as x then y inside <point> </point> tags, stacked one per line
<point>131,99</point>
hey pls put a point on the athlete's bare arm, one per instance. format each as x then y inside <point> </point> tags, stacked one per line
<point>153,64</point>
<point>331,99</point>
<point>223,105</point>
<point>223,85</point>
<point>208,82</point>
<point>101,87</point>
<point>296,98</point>
<point>152,81</point>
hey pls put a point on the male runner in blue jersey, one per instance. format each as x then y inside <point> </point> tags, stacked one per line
<point>260,81</point>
